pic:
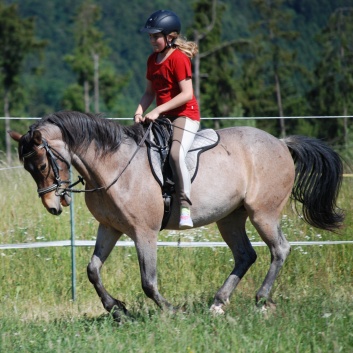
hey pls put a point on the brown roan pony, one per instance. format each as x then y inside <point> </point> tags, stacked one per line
<point>249,174</point>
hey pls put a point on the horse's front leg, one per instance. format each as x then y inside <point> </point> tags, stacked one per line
<point>146,247</point>
<point>106,240</point>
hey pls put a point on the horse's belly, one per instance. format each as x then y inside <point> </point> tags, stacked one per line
<point>215,194</point>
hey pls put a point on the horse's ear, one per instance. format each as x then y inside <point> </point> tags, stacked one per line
<point>37,137</point>
<point>15,135</point>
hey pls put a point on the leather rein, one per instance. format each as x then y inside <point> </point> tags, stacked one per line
<point>53,155</point>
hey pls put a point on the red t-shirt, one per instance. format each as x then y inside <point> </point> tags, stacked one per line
<point>165,78</point>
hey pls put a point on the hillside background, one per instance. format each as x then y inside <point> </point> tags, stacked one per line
<point>235,81</point>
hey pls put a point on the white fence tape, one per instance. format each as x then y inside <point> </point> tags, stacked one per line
<point>201,244</point>
<point>215,118</point>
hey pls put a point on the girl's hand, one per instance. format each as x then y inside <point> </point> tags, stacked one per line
<point>138,118</point>
<point>152,115</point>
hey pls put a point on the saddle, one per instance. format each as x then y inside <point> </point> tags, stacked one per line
<point>159,143</point>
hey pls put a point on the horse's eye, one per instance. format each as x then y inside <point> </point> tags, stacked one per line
<point>42,167</point>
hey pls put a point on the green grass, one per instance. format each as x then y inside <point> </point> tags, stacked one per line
<point>313,292</point>
<point>290,330</point>
<point>313,295</point>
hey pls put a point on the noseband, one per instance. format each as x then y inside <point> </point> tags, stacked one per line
<point>52,156</point>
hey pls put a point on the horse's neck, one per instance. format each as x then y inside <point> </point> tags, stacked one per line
<point>80,164</point>
<point>97,170</point>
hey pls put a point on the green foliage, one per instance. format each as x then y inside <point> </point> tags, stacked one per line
<point>73,98</point>
<point>277,64</point>
<point>332,92</point>
<point>111,86</point>
<point>237,79</point>
<point>88,62</point>
<point>17,40</point>
<point>218,64</point>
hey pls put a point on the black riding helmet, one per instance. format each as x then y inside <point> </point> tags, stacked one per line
<point>162,21</point>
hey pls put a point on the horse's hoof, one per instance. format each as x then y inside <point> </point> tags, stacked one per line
<point>266,307</point>
<point>270,305</point>
<point>119,311</point>
<point>217,309</point>
<point>119,316</point>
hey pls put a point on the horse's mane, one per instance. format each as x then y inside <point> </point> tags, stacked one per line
<point>79,130</point>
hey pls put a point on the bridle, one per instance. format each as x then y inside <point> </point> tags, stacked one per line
<point>53,155</point>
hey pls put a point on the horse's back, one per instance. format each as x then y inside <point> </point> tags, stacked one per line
<point>247,152</point>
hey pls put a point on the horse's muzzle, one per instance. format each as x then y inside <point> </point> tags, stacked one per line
<point>54,211</point>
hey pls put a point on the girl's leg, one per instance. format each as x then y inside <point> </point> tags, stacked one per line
<point>183,136</point>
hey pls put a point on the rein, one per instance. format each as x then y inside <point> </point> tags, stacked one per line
<point>52,157</point>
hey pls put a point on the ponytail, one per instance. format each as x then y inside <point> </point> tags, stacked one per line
<point>189,48</point>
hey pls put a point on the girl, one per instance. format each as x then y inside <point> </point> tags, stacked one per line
<point>169,82</point>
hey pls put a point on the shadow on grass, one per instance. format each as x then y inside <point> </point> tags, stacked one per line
<point>143,315</point>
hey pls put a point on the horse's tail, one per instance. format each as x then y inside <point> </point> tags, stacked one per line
<point>318,178</point>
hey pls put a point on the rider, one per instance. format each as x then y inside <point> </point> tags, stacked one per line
<point>169,81</point>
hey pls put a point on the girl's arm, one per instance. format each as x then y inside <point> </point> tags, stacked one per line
<point>186,94</point>
<point>145,102</point>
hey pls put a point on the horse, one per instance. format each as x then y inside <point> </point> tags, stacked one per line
<point>249,174</point>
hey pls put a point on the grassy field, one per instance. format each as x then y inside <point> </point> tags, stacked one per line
<point>314,292</point>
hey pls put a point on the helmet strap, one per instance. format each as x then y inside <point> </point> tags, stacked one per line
<point>168,45</point>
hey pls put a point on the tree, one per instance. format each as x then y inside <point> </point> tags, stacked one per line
<point>17,40</point>
<point>332,93</point>
<point>216,92</point>
<point>95,77</point>
<point>277,61</point>
<point>90,49</point>
<point>255,97</point>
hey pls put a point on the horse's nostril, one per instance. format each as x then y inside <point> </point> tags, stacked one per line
<point>54,211</point>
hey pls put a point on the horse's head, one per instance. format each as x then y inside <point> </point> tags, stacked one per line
<point>48,163</point>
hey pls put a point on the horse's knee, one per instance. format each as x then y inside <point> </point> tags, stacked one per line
<point>93,270</point>
<point>92,273</point>
<point>286,248</point>
<point>149,289</point>
<point>252,257</point>
<point>244,259</point>
<point>281,252</point>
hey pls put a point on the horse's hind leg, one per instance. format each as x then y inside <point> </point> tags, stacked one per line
<point>232,229</point>
<point>106,240</point>
<point>269,229</point>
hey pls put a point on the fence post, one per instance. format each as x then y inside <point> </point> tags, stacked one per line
<point>73,248</point>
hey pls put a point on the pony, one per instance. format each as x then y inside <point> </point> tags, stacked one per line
<point>249,174</point>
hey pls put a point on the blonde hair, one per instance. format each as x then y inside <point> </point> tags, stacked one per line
<point>189,48</point>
